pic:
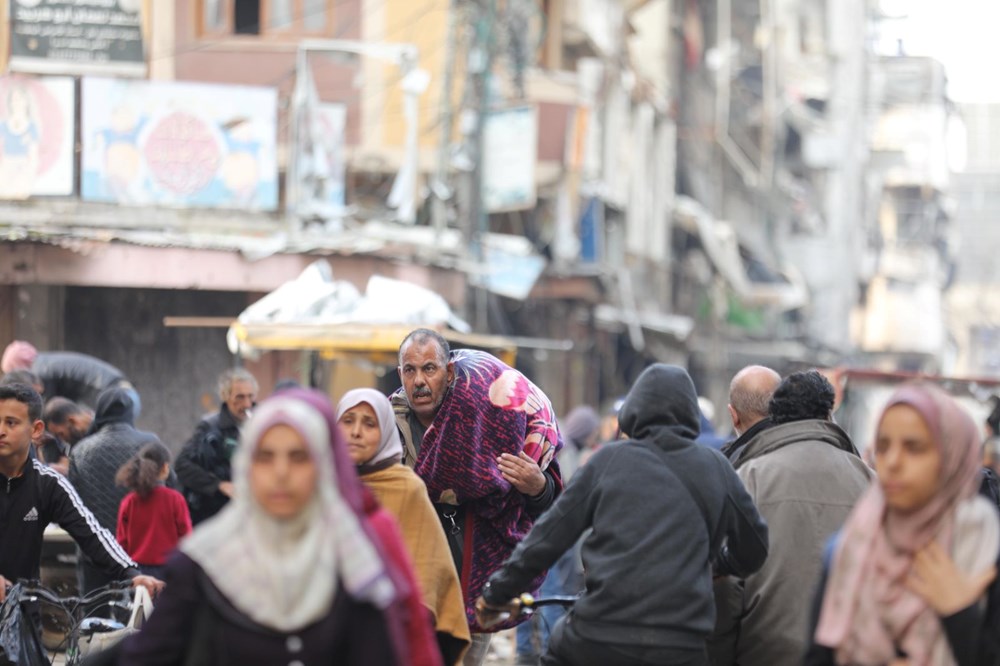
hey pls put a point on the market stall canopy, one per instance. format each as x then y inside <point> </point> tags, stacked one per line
<point>315,312</point>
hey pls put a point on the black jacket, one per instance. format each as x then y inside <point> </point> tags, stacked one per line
<point>79,377</point>
<point>205,461</point>
<point>647,557</point>
<point>41,496</point>
<point>733,449</point>
<point>973,633</point>
<point>194,624</point>
<point>95,460</point>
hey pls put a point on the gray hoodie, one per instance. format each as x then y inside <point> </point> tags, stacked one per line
<point>647,557</point>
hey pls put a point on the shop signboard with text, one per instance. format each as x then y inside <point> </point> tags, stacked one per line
<point>77,37</point>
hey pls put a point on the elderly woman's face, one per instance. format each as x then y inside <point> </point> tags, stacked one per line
<point>282,472</point>
<point>360,425</point>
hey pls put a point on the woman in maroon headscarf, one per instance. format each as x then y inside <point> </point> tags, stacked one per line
<point>909,581</point>
<point>292,570</point>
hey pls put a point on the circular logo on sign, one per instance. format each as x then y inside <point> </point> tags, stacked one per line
<point>182,153</point>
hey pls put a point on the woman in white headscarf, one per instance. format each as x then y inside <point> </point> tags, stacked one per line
<point>374,445</point>
<point>290,571</point>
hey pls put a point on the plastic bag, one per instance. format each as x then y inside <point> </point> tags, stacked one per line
<point>142,606</point>
<point>20,639</point>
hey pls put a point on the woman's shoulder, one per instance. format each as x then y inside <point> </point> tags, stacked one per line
<point>182,573</point>
<point>977,517</point>
<point>398,477</point>
<point>976,542</point>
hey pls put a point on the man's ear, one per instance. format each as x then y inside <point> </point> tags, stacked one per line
<point>37,428</point>
<point>451,372</point>
<point>735,418</point>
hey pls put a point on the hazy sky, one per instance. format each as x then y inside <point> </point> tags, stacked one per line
<point>963,35</point>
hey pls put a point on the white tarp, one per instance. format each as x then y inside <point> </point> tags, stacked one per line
<point>315,297</point>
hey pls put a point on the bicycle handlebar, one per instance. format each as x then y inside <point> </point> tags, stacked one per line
<point>526,604</point>
<point>111,591</point>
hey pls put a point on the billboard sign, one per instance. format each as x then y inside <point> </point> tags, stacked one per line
<point>37,127</point>
<point>510,153</point>
<point>179,144</point>
<point>78,37</point>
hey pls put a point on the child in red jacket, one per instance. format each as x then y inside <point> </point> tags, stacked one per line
<point>152,518</point>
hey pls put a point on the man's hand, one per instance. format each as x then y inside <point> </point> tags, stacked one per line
<point>226,488</point>
<point>947,590</point>
<point>487,615</point>
<point>522,472</point>
<point>153,585</point>
<point>4,586</point>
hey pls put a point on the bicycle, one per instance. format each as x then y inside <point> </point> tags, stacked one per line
<point>72,615</point>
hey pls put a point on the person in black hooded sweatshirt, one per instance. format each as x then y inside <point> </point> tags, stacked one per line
<point>661,511</point>
<point>95,460</point>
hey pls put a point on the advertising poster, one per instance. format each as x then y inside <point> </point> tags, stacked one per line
<point>37,130</point>
<point>179,144</point>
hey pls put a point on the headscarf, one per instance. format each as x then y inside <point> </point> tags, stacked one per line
<point>390,448</point>
<point>867,610</point>
<point>114,405</point>
<point>19,355</point>
<point>284,574</point>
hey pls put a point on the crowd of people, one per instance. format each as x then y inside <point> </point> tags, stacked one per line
<point>403,528</point>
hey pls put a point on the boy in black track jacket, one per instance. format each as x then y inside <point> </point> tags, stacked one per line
<point>32,496</point>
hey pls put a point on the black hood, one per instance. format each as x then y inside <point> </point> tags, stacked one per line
<point>662,401</point>
<point>114,405</point>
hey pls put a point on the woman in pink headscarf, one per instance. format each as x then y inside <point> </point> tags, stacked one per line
<point>909,580</point>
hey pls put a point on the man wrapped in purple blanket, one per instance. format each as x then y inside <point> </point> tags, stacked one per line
<point>483,439</point>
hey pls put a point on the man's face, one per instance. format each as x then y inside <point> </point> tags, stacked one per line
<point>425,379</point>
<point>240,399</point>
<point>74,429</point>
<point>16,431</point>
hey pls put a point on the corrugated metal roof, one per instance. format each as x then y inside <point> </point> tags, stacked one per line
<point>81,226</point>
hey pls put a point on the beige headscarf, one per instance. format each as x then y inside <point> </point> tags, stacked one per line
<point>867,609</point>
<point>284,574</point>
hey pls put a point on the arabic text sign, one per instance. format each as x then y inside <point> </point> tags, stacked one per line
<point>79,37</point>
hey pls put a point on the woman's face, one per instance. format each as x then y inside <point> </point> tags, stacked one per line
<point>363,432</point>
<point>907,460</point>
<point>282,472</point>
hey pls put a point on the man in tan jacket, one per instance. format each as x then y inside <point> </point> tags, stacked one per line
<point>804,474</point>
